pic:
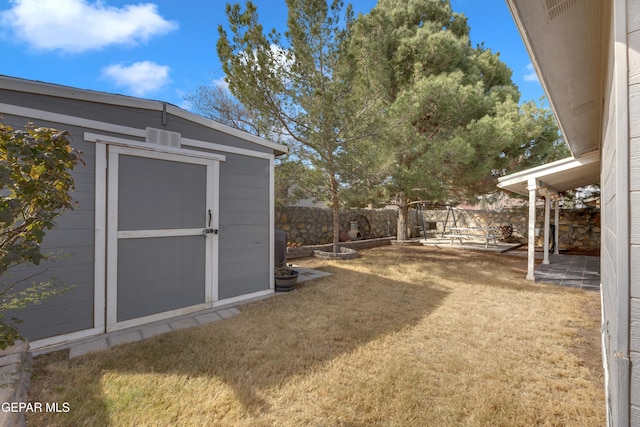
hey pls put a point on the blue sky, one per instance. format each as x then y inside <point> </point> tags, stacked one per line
<point>165,49</point>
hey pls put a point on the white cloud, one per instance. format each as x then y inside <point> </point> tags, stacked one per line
<point>77,25</point>
<point>221,83</point>
<point>531,75</point>
<point>282,58</point>
<point>139,78</point>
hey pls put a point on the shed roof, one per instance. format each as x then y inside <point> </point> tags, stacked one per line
<point>562,175</point>
<point>32,86</point>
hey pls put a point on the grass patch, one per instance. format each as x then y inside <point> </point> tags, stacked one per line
<point>399,336</point>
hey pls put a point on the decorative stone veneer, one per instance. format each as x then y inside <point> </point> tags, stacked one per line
<point>15,378</point>
<point>307,251</point>
<point>344,254</point>
<point>314,226</point>
<point>579,228</point>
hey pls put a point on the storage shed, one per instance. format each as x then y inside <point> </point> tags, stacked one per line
<point>175,212</point>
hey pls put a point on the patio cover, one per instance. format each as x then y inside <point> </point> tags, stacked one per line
<point>548,181</point>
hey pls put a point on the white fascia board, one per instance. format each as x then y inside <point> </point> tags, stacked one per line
<point>547,169</point>
<point>278,148</point>
<point>188,142</point>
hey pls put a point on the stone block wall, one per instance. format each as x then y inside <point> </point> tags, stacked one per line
<point>579,228</point>
<point>314,226</point>
<point>307,251</point>
<point>15,378</point>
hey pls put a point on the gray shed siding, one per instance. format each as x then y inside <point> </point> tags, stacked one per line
<point>244,226</point>
<point>127,116</point>
<point>244,218</point>
<point>196,131</point>
<point>73,241</point>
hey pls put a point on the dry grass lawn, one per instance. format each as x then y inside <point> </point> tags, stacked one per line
<point>397,337</point>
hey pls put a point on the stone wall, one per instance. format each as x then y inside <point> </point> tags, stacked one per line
<point>579,228</point>
<point>15,378</point>
<point>307,251</point>
<point>314,226</point>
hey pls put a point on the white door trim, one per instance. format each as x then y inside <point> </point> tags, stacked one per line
<point>113,234</point>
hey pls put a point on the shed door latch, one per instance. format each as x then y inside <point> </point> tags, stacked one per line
<point>210,230</point>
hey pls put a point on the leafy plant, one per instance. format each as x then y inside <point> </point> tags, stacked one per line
<point>35,186</point>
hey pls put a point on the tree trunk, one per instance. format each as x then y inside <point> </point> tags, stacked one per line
<point>403,215</point>
<point>335,205</point>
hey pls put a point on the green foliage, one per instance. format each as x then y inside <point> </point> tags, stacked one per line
<point>294,180</point>
<point>451,122</point>
<point>35,186</point>
<point>392,105</point>
<point>301,83</point>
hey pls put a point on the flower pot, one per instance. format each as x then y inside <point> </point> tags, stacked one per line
<point>286,283</point>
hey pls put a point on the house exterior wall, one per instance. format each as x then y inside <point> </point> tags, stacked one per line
<point>620,221</point>
<point>245,200</point>
<point>633,37</point>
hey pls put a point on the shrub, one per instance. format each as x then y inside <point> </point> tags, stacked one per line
<point>35,186</point>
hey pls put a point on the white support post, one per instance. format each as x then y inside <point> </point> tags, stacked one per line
<point>531,234</point>
<point>556,222</point>
<point>545,244</point>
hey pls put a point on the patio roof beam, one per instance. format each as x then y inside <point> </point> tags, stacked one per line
<point>545,189</point>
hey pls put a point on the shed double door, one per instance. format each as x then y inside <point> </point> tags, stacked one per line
<point>162,235</point>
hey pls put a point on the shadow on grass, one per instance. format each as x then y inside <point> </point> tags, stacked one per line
<point>268,344</point>
<point>231,366</point>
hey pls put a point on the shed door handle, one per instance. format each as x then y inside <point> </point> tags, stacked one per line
<point>210,217</point>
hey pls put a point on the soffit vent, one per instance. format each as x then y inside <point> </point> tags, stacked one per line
<point>163,137</point>
<point>556,8</point>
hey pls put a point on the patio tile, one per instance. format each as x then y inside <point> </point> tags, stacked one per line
<point>576,271</point>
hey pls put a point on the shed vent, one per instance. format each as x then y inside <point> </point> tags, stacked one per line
<point>163,137</point>
<point>556,8</point>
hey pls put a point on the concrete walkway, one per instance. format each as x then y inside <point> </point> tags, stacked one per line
<point>139,333</point>
<point>477,245</point>
<point>142,332</point>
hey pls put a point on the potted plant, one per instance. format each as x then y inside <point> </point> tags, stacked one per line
<point>285,277</point>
